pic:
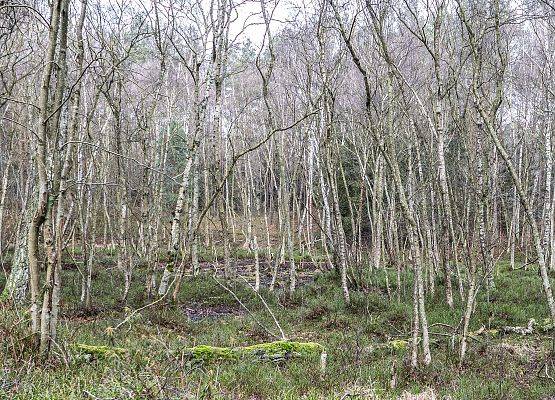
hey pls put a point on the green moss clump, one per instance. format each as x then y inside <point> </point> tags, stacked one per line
<point>398,344</point>
<point>284,346</point>
<point>267,351</point>
<point>210,353</point>
<point>485,332</point>
<point>546,325</point>
<point>492,332</point>
<point>100,351</point>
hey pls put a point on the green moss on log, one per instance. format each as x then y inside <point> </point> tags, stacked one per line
<point>209,353</point>
<point>281,349</point>
<point>484,332</point>
<point>284,346</point>
<point>398,344</point>
<point>100,351</point>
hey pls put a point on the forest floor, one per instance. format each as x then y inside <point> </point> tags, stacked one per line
<point>364,341</point>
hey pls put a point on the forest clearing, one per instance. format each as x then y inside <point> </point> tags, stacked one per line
<point>277,199</point>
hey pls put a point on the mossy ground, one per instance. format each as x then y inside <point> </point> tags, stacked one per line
<point>362,340</point>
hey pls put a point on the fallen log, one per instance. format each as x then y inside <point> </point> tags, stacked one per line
<point>520,329</point>
<point>544,326</point>
<point>272,351</point>
<point>99,351</point>
<point>398,345</point>
<point>483,332</point>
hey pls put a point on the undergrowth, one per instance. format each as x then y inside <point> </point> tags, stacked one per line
<point>364,341</point>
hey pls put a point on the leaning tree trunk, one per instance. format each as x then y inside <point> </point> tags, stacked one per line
<point>470,301</point>
<point>176,229</point>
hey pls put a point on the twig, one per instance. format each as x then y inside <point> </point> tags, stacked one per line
<point>62,351</point>
<point>526,264</point>
<point>245,307</point>
<point>267,308</point>
<point>145,306</point>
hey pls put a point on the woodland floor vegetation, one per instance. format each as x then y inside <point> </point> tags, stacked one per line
<point>366,342</point>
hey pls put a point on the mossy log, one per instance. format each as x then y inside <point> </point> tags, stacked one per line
<point>100,351</point>
<point>483,332</point>
<point>274,351</point>
<point>398,345</point>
